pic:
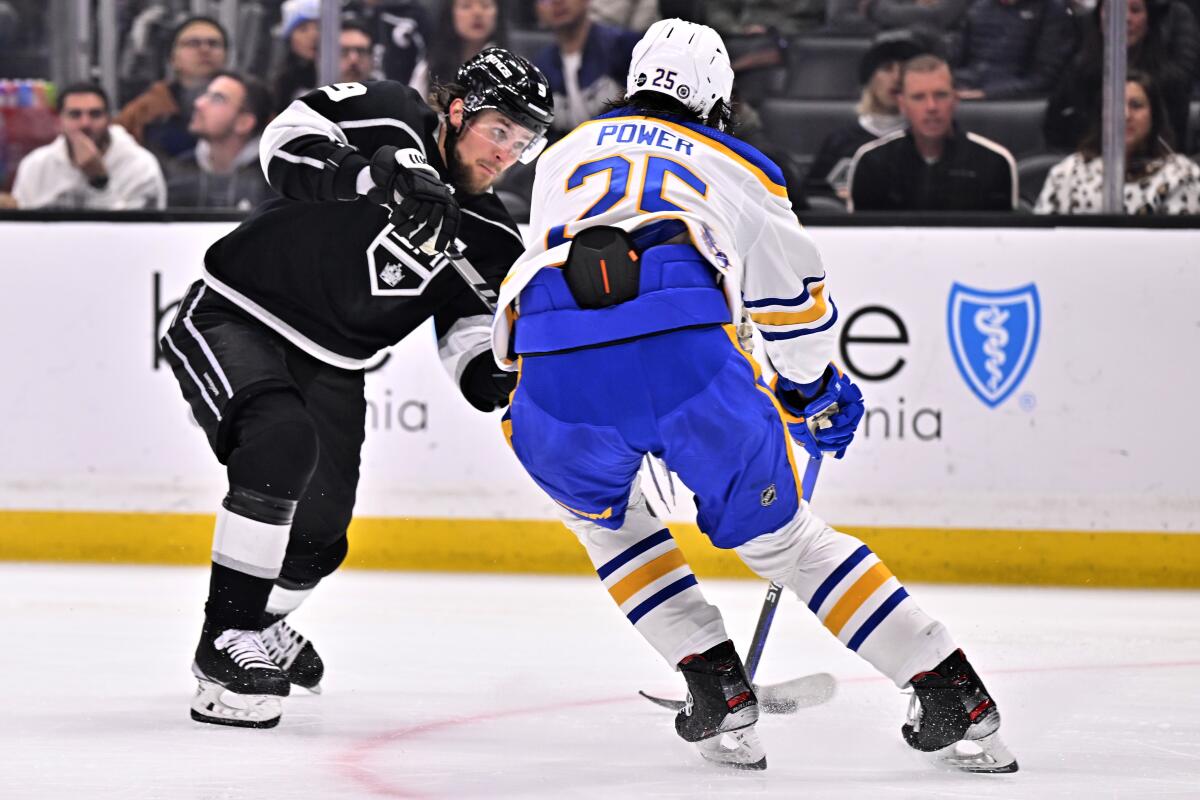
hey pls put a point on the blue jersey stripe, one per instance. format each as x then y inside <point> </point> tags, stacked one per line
<point>660,597</point>
<point>773,337</point>
<point>633,552</point>
<point>879,616</point>
<point>798,300</point>
<point>836,576</point>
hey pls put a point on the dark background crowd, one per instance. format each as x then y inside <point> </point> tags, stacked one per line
<point>934,105</point>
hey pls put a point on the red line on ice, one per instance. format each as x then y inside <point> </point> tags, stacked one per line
<point>351,762</point>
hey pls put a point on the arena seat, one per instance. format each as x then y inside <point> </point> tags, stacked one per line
<point>800,126</point>
<point>1031,175</point>
<point>824,68</point>
<point>1016,124</point>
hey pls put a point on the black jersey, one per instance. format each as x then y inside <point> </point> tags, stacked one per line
<point>331,275</point>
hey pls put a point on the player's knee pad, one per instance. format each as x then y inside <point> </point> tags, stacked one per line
<point>852,592</point>
<point>276,446</point>
<point>648,578</point>
<point>776,555</point>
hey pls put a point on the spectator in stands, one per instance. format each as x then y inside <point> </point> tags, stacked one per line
<point>587,64</point>
<point>464,28</point>
<point>301,31</point>
<point>1157,179</point>
<point>634,15</point>
<point>400,29</point>
<point>357,61</point>
<point>786,17</point>
<point>932,166</point>
<point>878,112</point>
<point>1162,39</point>
<point>223,171</point>
<point>158,118</point>
<point>92,164</point>
<point>1012,48</point>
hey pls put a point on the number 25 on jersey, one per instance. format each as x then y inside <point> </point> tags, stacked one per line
<point>622,173</point>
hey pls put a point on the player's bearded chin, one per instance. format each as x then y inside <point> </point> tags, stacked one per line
<point>460,173</point>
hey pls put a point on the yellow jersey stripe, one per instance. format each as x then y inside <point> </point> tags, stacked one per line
<point>855,596</point>
<point>646,574</point>
<point>784,417</point>
<point>811,314</point>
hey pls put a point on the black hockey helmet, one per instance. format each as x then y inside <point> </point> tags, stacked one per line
<point>510,84</point>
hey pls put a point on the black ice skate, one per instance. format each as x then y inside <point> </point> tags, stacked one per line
<point>952,717</point>
<point>239,684</point>
<point>295,655</point>
<point>721,709</point>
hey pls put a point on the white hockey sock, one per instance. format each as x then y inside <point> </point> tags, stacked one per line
<point>853,593</point>
<point>650,581</point>
<point>284,601</point>
<point>249,546</point>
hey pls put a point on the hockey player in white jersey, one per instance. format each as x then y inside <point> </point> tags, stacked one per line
<point>652,232</point>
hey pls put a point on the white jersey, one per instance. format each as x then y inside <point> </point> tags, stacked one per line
<point>630,171</point>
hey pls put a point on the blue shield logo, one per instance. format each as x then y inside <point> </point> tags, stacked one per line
<point>993,336</point>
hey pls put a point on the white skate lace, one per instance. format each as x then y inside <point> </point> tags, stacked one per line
<point>282,643</point>
<point>245,648</point>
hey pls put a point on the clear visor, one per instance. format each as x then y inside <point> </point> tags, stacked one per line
<point>523,144</point>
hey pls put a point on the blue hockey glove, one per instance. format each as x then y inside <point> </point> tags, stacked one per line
<point>824,418</point>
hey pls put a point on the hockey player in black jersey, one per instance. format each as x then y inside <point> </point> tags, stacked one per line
<point>270,345</point>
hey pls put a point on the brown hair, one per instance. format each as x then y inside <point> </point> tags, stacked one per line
<point>1158,143</point>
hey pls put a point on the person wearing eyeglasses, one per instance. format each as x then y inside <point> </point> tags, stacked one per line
<point>92,164</point>
<point>357,60</point>
<point>158,118</point>
<point>223,171</point>
<point>385,223</point>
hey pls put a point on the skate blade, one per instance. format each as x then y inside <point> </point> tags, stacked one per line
<point>740,749</point>
<point>217,705</point>
<point>984,755</point>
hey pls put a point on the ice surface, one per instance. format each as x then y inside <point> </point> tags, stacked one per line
<point>461,686</point>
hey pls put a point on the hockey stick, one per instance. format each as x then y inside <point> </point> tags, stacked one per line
<point>802,692</point>
<point>486,294</point>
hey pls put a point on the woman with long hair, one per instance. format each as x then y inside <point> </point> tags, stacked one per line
<point>300,30</point>
<point>464,29</point>
<point>1157,179</point>
<point>1162,39</point>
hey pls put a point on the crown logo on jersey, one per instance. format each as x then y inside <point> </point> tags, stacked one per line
<point>397,268</point>
<point>392,274</point>
<point>993,336</point>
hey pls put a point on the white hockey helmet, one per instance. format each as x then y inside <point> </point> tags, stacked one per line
<point>685,61</point>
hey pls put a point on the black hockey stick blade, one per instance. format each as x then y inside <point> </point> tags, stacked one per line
<point>778,698</point>
<point>674,705</point>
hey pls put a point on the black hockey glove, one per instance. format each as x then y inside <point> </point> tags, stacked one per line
<point>421,205</point>
<point>485,385</point>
